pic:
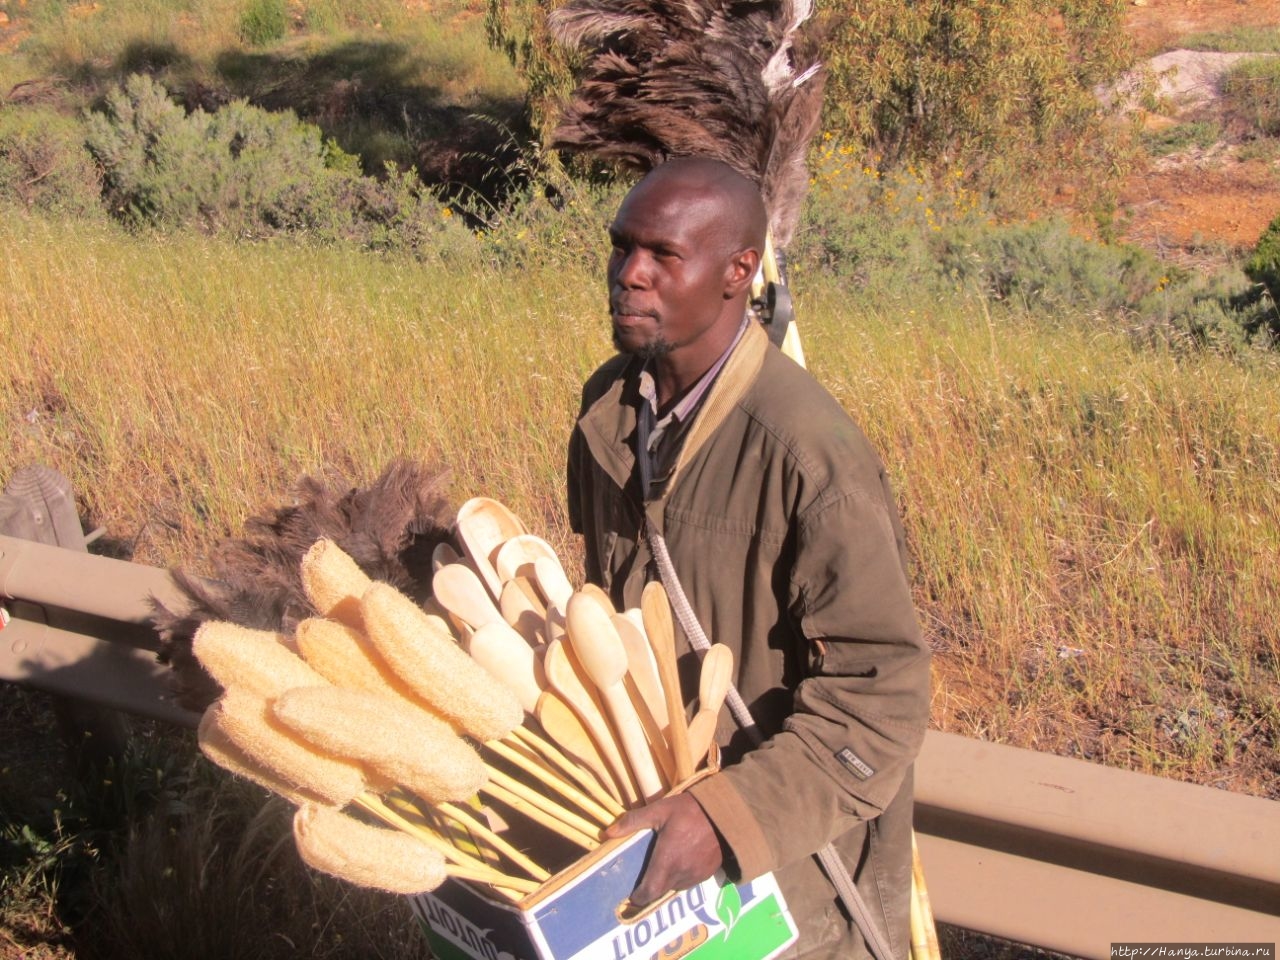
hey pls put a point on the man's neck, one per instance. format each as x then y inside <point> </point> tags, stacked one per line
<point>675,372</point>
<point>684,380</point>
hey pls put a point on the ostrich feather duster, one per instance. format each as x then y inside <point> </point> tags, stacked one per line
<point>736,80</point>
<point>389,528</point>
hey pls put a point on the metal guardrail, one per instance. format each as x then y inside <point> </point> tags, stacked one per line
<point>1044,850</point>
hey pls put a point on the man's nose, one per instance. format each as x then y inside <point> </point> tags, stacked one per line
<point>631,269</point>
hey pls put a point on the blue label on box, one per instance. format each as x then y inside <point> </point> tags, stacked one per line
<point>580,920</point>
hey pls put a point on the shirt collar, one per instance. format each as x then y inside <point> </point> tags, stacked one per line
<point>689,403</point>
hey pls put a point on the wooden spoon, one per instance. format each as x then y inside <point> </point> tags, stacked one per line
<point>566,731</point>
<point>598,594</point>
<point>515,557</point>
<point>553,583</point>
<point>713,685</point>
<point>641,665</point>
<point>508,656</point>
<point>519,611</point>
<point>460,591</point>
<point>483,526</point>
<point>442,555</point>
<point>602,655</point>
<point>565,678</point>
<point>641,669</point>
<point>656,610</point>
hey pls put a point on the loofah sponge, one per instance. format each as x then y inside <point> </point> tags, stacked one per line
<point>435,668</point>
<point>399,741</point>
<point>334,843</point>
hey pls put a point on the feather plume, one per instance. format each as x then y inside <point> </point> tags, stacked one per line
<point>736,80</point>
<point>389,528</point>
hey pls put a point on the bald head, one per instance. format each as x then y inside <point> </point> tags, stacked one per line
<point>686,243</point>
<point>701,186</point>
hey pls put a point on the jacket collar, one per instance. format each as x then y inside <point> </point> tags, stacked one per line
<point>609,424</point>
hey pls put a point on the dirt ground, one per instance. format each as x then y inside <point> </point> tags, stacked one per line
<point>1199,203</point>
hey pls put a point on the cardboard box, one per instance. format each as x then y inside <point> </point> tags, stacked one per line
<point>574,916</point>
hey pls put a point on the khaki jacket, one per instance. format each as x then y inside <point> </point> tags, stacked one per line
<point>783,531</point>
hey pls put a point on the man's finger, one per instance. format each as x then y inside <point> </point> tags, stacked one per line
<point>634,821</point>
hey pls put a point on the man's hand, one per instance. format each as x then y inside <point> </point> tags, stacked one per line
<point>685,852</point>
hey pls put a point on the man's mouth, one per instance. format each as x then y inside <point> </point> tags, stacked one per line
<point>624,313</point>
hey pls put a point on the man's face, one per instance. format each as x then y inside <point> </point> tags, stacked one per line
<point>667,272</point>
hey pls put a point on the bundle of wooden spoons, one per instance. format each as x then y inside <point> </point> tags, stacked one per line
<point>515,710</point>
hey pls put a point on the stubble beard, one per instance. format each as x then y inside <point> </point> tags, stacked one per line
<point>656,348</point>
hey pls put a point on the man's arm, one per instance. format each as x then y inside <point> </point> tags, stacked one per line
<point>858,718</point>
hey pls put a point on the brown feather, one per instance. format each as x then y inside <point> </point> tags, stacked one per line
<point>732,79</point>
<point>389,528</point>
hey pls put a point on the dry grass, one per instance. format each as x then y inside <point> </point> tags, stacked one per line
<point>1094,528</point>
<point>1094,524</point>
<point>182,384</point>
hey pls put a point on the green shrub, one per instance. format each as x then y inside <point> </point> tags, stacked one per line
<point>1263,269</point>
<point>240,168</point>
<point>1044,265</point>
<point>1251,95</point>
<point>1224,312</point>
<point>253,173</point>
<point>44,165</point>
<point>1264,265</point>
<point>263,22</point>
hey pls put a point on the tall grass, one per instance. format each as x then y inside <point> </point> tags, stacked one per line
<point>1093,523</point>
<point>181,385</point>
<point>1094,530</point>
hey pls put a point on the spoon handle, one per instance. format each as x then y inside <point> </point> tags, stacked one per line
<point>656,610</point>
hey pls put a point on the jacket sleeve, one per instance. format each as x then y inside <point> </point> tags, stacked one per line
<point>859,715</point>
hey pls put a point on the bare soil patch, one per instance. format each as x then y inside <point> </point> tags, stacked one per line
<point>1197,205</point>
<point>1157,25</point>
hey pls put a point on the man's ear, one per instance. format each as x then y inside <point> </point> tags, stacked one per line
<point>740,272</point>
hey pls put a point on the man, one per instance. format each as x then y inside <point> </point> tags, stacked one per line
<point>783,532</point>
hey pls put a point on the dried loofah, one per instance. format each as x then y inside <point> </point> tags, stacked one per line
<point>247,721</point>
<point>258,661</point>
<point>399,741</point>
<point>334,583</point>
<point>435,668</point>
<point>368,856</point>
<point>346,658</point>
<point>217,746</point>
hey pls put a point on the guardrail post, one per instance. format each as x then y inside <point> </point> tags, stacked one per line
<point>38,504</point>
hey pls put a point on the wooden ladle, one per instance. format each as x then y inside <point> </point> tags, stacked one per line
<point>713,685</point>
<point>603,657</point>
